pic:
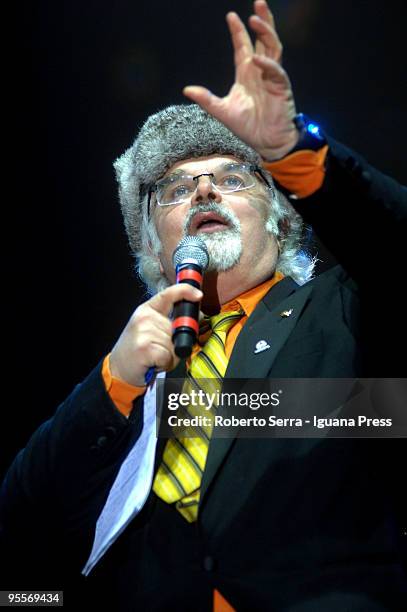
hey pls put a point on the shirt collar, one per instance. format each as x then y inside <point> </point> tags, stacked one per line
<point>249,299</point>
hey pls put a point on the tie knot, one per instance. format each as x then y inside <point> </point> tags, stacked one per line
<point>224,320</point>
<point>220,322</point>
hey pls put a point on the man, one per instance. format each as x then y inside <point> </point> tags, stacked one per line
<point>299,525</point>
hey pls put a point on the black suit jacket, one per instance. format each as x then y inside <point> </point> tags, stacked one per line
<point>284,524</point>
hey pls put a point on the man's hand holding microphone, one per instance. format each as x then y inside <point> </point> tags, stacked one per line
<point>151,341</point>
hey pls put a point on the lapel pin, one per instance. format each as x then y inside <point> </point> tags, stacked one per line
<point>261,346</point>
<point>286,313</point>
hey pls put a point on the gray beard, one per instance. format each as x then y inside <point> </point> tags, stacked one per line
<point>225,246</point>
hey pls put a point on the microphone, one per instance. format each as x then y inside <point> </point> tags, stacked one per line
<point>190,259</point>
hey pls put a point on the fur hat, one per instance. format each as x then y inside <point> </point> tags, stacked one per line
<point>169,136</point>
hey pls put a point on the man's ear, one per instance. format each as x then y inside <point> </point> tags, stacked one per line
<point>151,252</point>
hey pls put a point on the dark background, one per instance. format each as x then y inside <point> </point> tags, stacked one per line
<point>81,79</point>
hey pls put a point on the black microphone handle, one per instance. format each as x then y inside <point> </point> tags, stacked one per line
<point>184,337</point>
<point>186,314</point>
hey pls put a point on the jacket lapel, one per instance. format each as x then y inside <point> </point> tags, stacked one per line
<point>267,323</point>
<point>270,325</point>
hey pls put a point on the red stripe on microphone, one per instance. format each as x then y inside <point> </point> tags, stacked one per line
<point>185,322</point>
<point>189,274</point>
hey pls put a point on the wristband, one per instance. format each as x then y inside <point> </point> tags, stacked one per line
<point>311,135</point>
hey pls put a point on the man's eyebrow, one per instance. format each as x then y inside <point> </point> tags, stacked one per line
<point>175,173</point>
<point>224,166</point>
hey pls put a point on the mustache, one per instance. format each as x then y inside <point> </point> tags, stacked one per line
<point>230,218</point>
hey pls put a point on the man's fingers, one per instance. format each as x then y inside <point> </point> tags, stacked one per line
<point>242,44</point>
<point>161,325</point>
<point>261,9</point>
<point>164,301</point>
<point>200,95</point>
<point>268,36</point>
<point>259,47</point>
<point>164,357</point>
<point>208,101</point>
<point>272,71</point>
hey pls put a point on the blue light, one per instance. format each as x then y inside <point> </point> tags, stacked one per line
<point>314,129</point>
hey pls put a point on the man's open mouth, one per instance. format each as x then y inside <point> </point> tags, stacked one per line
<point>208,222</point>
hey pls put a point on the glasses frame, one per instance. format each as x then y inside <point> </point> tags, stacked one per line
<point>253,168</point>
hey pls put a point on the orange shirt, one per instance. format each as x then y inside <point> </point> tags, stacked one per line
<point>302,173</point>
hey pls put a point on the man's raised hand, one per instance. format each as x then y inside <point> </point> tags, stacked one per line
<point>259,107</point>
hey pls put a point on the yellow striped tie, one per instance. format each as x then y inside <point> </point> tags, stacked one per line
<point>178,479</point>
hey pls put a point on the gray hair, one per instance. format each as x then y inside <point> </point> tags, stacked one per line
<point>174,134</point>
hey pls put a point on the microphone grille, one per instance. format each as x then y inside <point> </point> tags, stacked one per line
<point>191,249</point>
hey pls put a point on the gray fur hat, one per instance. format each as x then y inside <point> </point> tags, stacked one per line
<point>171,135</point>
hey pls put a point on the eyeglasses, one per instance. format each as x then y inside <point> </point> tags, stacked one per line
<point>227,178</point>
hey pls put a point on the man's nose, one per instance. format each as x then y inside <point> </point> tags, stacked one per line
<point>205,191</point>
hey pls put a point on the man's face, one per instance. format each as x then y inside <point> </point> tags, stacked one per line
<point>231,224</point>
